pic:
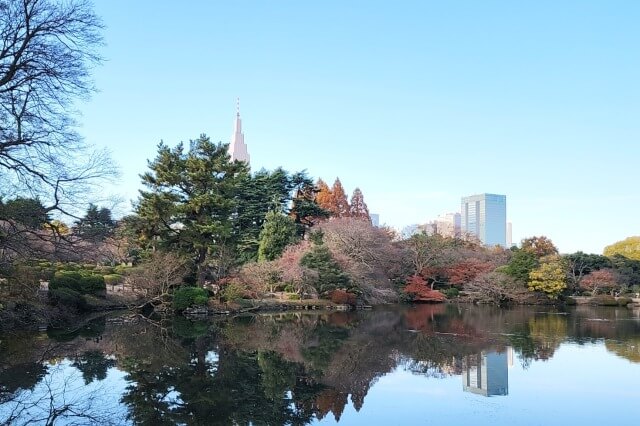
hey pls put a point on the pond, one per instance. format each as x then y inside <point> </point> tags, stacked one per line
<point>422,364</point>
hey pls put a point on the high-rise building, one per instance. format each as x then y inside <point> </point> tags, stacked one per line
<point>448,225</point>
<point>375,219</point>
<point>237,147</point>
<point>509,235</point>
<point>485,217</point>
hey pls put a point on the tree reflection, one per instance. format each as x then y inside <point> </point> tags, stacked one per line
<point>292,368</point>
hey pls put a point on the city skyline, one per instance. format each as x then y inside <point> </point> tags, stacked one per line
<point>536,101</point>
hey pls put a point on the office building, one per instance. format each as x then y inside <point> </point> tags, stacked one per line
<point>484,216</point>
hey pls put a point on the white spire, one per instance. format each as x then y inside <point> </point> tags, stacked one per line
<point>237,148</point>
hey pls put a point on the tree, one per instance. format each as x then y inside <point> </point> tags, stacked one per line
<point>96,225</point>
<point>539,246</point>
<point>190,204</point>
<point>581,264</point>
<point>278,231</point>
<point>330,274</point>
<point>368,255</point>
<point>340,207</point>
<point>418,290</point>
<point>27,211</point>
<point>324,197</point>
<point>605,280</point>
<point>358,208</point>
<point>629,248</point>
<point>305,211</point>
<point>48,49</point>
<point>549,277</point>
<point>520,265</point>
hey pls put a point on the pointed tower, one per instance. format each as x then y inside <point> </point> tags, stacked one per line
<point>237,148</point>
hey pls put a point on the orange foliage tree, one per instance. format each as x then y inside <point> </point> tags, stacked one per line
<point>341,205</point>
<point>418,290</point>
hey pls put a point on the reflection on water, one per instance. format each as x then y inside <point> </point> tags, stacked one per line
<point>487,373</point>
<point>301,368</point>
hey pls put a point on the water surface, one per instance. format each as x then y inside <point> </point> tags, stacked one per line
<point>424,364</point>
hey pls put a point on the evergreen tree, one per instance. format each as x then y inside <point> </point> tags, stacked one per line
<point>330,275</point>
<point>278,231</point>
<point>191,203</point>
<point>96,224</point>
<point>305,211</point>
<point>358,207</point>
<point>340,204</point>
<point>27,211</point>
<point>256,195</point>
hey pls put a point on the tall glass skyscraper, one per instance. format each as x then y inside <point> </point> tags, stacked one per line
<point>485,216</point>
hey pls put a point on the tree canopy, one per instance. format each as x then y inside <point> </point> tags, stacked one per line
<point>629,248</point>
<point>190,203</point>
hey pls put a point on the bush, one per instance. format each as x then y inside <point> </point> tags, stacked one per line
<point>233,291</point>
<point>623,301</point>
<point>451,292</point>
<point>67,297</point>
<point>121,269</point>
<point>342,297</point>
<point>105,270</point>
<point>81,283</point>
<point>293,297</point>
<point>113,279</point>
<point>185,297</point>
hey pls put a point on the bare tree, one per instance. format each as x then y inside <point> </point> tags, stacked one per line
<point>60,398</point>
<point>155,278</point>
<point>47,50</point>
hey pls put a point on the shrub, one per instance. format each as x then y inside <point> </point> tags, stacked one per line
<point>342,297</point>
<point>67,297</point>
<point>82,283</point>
<point>121,269</point>
<point>451,292</point>
<point>185,297</point>
<point>624,301</point>
<point>293,297</point>
<point>113,279</point>
<point>105,270</point>
<point>233,291</point>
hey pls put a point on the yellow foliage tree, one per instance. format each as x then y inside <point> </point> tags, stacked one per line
<point>629,248</point>
<point>549,277</point>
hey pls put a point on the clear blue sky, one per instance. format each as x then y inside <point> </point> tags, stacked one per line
<point>417,103</point>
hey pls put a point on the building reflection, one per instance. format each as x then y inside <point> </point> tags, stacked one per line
<point>487,373</point>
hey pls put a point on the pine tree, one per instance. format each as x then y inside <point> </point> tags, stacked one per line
<point>305,210</point>
<point>190,203</point>
<point>278,231</point>
<point>341,205</point>
<point>358,207</point>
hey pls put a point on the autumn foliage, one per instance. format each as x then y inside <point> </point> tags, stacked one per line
<point>342,297</point>
<point>603,280</point>
<point>419,291</point>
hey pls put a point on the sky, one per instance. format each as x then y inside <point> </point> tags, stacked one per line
<point>417,103</point>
